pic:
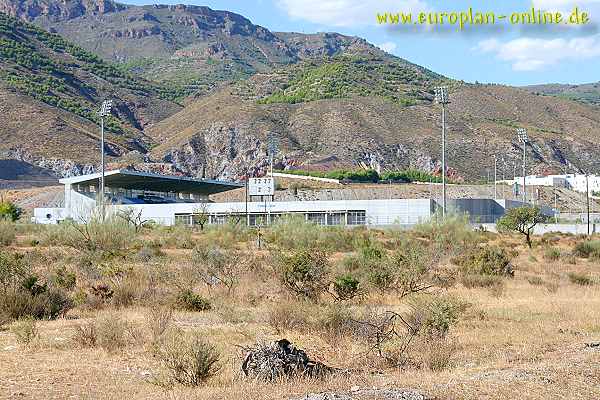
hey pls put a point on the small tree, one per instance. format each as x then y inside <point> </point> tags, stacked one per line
<point>522,220</point>
<point>133,217</point>
<point>9,211</point>
<point>201,215</point>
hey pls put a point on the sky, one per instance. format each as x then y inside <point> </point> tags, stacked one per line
<point>508,54</point>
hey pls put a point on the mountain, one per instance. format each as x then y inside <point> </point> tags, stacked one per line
<point>370,112</point>
<point>193,47</point>
<point>588,93</point>
<point>330,101</point>
<point>50,90</point>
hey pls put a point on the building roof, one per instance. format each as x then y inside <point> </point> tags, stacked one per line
<point>126,179</point>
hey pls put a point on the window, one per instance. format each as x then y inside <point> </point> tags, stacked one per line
<point>357,217</point>
<point>219,219</point>
<point>335,219</point>
<point>183,219</point>
<point>317,218</point>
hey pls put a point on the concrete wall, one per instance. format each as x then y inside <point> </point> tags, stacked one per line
<point>576,229</point>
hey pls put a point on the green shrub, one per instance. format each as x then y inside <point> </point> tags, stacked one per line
<point>189,301</point>
<point>219,266</point>
<point>451,235</point>
<point>552,254</point>
<point>9,211</point>
<point>25,330</point>
<point>303,272</point>
<point>7,232</point>
<point>487,260</point>
<point>294,232</point>
<point>587,248</point>
<point>63,278</point>
<point>535,281</point>
<point>113,236</point>
<point>580,279</point>
<point>188,359</point>
<point>433,316</point>
<point>346,287</point>
<point>335,320</point>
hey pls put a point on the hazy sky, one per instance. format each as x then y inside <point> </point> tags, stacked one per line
<point>504,54</point>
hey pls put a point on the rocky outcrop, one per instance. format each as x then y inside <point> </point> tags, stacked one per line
<point>55,11</point>
<point>281,360</point>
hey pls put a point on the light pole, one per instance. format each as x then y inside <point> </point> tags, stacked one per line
<point>523,138</point>
<point>441,96</point>
<point>495,177</point>
<point>587,195</point>
<point>104,112</point>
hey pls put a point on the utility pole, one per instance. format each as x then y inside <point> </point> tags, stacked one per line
<point>272,149</point>
<point>441,96</point>
<point>587,195</point>
<point>246,199</point>
<point>523,138</point>
<point>495,177</point>
<point>104,112</point>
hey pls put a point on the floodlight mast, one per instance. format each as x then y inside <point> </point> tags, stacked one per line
<point>441,97</point>
<point>523,138</point>
<point>105,110</point>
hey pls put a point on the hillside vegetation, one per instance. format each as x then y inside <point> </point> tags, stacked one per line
<point>347,76</point>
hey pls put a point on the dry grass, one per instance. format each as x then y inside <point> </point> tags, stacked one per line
<point>527,343</point>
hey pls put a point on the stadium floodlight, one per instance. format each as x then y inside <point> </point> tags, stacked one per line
<point>104,111</point>
<point>523,138</point>
<point>441,97</point>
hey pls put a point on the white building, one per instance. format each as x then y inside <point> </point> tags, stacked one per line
<point>169,200</point>
<point>576,182</point>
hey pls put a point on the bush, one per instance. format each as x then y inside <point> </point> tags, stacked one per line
<point>218,266</point>
<point>488,260</point>
<point>189,301</point>
<point>335,320</point>
<point>189,360</point>
<point>25,330</point>
<point>484,281</point>
<point>86,334</point>
<point>580,279</point>
<point>112,332</point>
<point>552,254</point>
<point>287,316</point>
<point>346,287</point>
<point>433,316</point>
<point>303,272</point>
<point>63,278</point>
<point>7,232</point>
<point>21,294</point>
<point>452,235</point>
<point>587,248</point>
<point>159,319</point>
<point>113,236</point>
<point>294,232</point>
<point>9,211</point>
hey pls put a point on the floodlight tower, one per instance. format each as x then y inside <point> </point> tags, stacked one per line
<point>441,97</point>
<point>105,110</point>
<point>523,138</point>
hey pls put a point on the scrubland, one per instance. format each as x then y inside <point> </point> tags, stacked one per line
<point>112,311</point>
